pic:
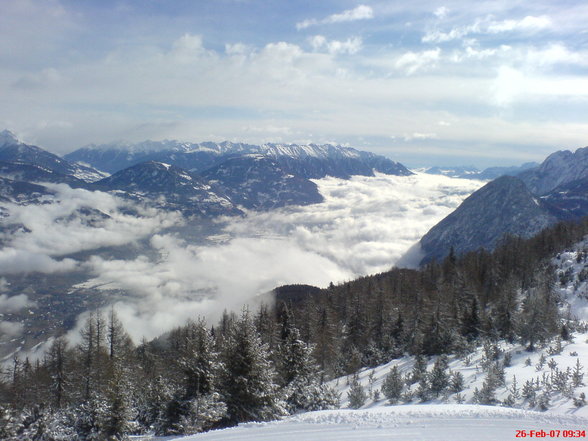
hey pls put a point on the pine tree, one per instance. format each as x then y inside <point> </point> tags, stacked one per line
<point>578,374</point>
<point>456,383</point>
<point>300,375</point>
<point>439,376</point>
<point>393,385</point>
<point>248,380</point>
<point>419,369</point>
<point>56,364</point>
<point>539,319</point>
<point>117,412</point>
<point>356,395</point>
<point>197,405</point>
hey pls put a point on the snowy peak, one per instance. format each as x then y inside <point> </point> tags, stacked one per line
<point>170,188</point>
<point>151,176</point>
<point>471,172</point>
<point>255,181</point>
<point>559,168</point>
<point>502,206</point>
<point>307,160</point>
<point>309,150</point>
<point>18,152</point>
<point>8,138</point>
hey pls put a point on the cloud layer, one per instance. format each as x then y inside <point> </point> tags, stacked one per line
<point>74,220</point>
<point>364,226</point>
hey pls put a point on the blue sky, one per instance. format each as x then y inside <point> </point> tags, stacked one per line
<point>422,82</point>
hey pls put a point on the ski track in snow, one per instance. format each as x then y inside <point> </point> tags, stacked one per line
<point>402,423</point>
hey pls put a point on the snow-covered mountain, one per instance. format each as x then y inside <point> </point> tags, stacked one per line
<point>522,205</point>
<point>559,168</point>
<point>308,161</point>
<point>256,181</point>
<point>169,187</point>
<point>20,192</point>
<point>471,172</point>
<point>502,206</point>
<point>13,150</point>
<point>32,173</point>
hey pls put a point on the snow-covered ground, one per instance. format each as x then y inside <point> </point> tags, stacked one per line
<point>406,423</point>
<point>470,367</point>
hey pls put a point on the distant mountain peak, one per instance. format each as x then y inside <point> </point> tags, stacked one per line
<point>8,138</point>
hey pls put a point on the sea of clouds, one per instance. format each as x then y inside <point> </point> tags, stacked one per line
<point>365,225</point>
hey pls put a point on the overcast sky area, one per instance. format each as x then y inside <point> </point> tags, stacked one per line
<point>422,82</point>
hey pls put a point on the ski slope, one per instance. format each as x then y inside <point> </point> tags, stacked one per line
<point>406,423</point>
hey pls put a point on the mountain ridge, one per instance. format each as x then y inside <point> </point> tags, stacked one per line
<point>306,160</point>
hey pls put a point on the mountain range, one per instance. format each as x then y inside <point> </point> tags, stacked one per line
<point>471,172</point>
<point>520,205</point>
<point>309,161</point>
<point>206,179</point>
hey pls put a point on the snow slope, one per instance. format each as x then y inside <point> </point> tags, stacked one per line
<point>403,423</point>
<point>470,367</point>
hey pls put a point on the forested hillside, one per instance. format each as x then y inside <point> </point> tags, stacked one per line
<point>257,366</point>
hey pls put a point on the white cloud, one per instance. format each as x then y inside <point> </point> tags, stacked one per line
<point>57,228</point>
<point>16,261</point>
<point>318,42</point>
<point>11,329</point>
<point>555,53</point>
<point>528,24</point>
<point>45,78</point>
<point>349,46</point>
<point>237,49</point>
<point>441,12</point>
<point>508,85</point>
<point>413,62</point>
<point>420,136</point>
<point>15,303</point>
<point>361,12</point>
<point>364,226</point>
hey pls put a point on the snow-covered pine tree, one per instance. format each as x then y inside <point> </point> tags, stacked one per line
<point>357,396</point>
<point>393,385</point>
<point>248,382</point>
<point>300,375</point>
<point>419,369</point>
<point>439,376</point>
<point>196,405</point>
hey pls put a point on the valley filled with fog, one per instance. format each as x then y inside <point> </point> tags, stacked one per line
<point>161,269</point>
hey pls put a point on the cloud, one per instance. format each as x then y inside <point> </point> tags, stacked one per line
<point>73,220</point>
<point>11,329</point>
<point>421,136</point>
<point>45,78</point>
<point>349,46</point>
<point>211,83</point>
<point>555,53</point>
<point>441,12</point>
<point>361,12</point>
<point>508,86</point>
<point>413,62</point>
<point>528,24</point>
<point>15,303</point>
<point>15,261</point>
<point>364,226</point>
